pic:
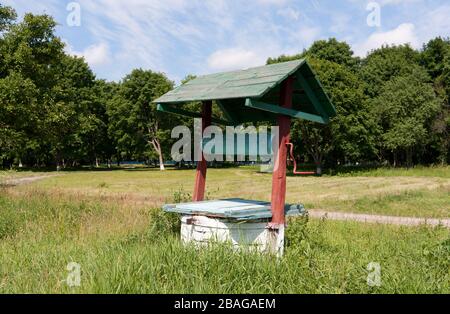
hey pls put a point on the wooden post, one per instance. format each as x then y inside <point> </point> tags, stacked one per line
<point>279,171</point>
<point>200,177</point>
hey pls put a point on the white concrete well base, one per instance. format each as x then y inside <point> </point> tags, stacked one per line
<point>202,230</point>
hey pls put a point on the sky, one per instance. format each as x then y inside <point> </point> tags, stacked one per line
<point>181,37</point>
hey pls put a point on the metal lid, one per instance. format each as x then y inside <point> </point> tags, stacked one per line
<point>232,208</point>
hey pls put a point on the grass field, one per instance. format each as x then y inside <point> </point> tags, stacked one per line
<point>423,192</point>
<point>105,222</point>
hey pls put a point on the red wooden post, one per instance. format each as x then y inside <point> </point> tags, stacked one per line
<point>200,177</point>
<point>279,170</point>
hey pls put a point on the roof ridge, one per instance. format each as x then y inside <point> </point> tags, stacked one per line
<point>251,68</point>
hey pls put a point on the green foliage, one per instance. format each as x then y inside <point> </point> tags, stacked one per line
<point>331,50</point>
<point>384,63</point>
<point>433,55</point>
<point>349,135</point>
<point>135,123</point>
<point>297,231</point>
<point>18,112</point>
<point>181,196</point>
<point>32,49</point>
<point>364,126</point>
<point>7,16</point>
<point>55,112</point>
<point>52,106</point>
<point>404,110</point>
<point>334,51</point>
<point>351,131</point>
<point>163,225</point>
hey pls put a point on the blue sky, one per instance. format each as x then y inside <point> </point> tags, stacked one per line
<point>180,37</point>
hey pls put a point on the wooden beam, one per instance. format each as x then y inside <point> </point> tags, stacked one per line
<point>186,113</point>
<point>284,111</point>
<point>278,196</point>
<point>312,96</point>
<point>227,113</point>
<point>200,176</point>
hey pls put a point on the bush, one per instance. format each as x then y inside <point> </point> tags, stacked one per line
<point>296,230</point>
<point>163,225</point>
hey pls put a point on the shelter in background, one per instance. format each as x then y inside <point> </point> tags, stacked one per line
<point>273,93</point>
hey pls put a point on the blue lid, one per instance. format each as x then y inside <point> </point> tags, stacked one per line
<point>232,208</point>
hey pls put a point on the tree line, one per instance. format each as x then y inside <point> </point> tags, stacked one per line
<point>392,106</point>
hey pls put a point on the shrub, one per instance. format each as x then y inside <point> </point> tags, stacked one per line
<point>162,224</point>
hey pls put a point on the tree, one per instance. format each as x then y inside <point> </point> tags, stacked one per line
<point>7,16</point>
<point>135,122</point>
<point>97,142</point>
<point>348,137</point>
<point>18,115</point>
<point>435,57</point>
<point>404,109</point>
<point>335,51</point>
<point>385,63</point>
<point>331,50</point>
<point>69,113</point>
<point>31,53</point>
<point>394,103</point>
<point>32,49</point>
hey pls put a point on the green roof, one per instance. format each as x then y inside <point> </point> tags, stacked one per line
<point>252,95</point>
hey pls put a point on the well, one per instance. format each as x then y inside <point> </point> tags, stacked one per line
<point>273,93</point>
<point>241,223</point>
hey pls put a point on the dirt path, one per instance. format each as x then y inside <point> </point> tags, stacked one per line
<point>395,220</point>
<point>24,180</point>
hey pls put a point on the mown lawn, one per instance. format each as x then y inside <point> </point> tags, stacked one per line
<point>121,250</point>
<point>398,192</point>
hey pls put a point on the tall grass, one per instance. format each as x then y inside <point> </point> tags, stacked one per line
<point>138,251</point>
<point>426,203</point>
<point>416,171</point>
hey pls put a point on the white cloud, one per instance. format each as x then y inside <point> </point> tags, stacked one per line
<point>289,13</point>
<point>196,36</point>
<point>396,2</point>
<point>144,33</point>
<point>306,35</point>
<point>234,58</point>
<point>276,2</point>
<point>95,55</point>
<point>403,34</point>
<point>340,23</point>
<point>172,36</point>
